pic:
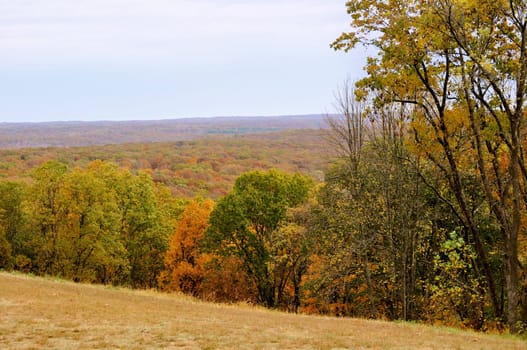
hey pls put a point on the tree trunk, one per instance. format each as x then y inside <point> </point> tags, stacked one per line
<point>369,284</point>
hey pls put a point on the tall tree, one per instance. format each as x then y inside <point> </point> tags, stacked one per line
<point>43,211</point>
<point>372,205</point>
<point>144,227</point>
<point>452,59</point>
<point>91,249</point>
<point>491,52</point>
<point>13,235</point>
<point>291,252</point>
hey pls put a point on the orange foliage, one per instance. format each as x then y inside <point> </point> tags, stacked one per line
<point>184,265</point>
<point>192,160</point>
<point>183,166</point>
<point>190,271</point>
<point>226,281</point>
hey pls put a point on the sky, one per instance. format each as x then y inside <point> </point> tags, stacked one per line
<point>64,60</point>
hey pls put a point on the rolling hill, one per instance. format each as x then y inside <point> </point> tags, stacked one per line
<point>38,313</point>
<point>205,166</point>
<point>60,134</point>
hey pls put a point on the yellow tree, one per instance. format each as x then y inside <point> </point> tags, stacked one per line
<point>491,55</point>
<point>467,56</point>
<point>43,210</point>
<point>89,229</point>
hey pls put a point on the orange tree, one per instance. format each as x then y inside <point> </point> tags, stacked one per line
<point>184,264</point>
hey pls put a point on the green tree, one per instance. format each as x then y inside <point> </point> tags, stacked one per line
<point>456,289</point>
<point>144,223</point>
<point>290,256</point>
<point>12,221</point>
<point>89,229</point>
<point>6,260</point>
<point>43,213</point>
<point>11,211</point>
<point>371,215</point>
<point>145,230</point>
<point>244,222</point>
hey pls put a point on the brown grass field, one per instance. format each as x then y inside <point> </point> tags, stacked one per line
<point>38,313</point>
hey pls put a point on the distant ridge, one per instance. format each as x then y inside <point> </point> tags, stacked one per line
<point>81,133</point>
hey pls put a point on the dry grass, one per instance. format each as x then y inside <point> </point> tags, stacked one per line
<point>37,313</point>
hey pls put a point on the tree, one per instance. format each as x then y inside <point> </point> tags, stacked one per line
<point>11,212</point>
<point>459,59</point>
<point>43,211</point>
<point>6,261</point>
<point>371,214</point>
<point>99,224</point>
<point>290,256</point>
<point>184,264</point>
<point>88,229</point>
<point>455,293</point>
<point>143,227</point>
<point>244,222</point>
<point>491,42</point>
<point>13,235</point>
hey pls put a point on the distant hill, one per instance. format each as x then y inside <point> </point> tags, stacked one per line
<point>206,165</point>
<point>60,134</point>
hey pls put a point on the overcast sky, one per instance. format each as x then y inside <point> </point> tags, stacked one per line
<point>160,59</point>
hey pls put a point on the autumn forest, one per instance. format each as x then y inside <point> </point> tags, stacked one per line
<point>409,203</point>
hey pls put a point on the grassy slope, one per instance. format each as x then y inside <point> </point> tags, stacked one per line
<point>36,313</point>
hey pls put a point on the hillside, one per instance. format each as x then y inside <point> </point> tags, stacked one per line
<point>52,134</point>
<point>45,314</point>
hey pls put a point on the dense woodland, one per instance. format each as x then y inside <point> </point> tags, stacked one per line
<point>62,134</point>
<point>204,167</point>
<point>412,205</point>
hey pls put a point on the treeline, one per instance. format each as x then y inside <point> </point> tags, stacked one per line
<point>457,71</point>
<point>100,224</point>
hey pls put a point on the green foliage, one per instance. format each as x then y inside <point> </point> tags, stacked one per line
<point>89,235</point>
<point>457,289</point>
<point>290,256</point>
<point>6,260</point>
<point>12,221</point>
<point>97,224</point>
<point>244,222</point>
<point>43,210</point>
<point>142,228</point>
<point>11,214</point>
<point>461,65</point>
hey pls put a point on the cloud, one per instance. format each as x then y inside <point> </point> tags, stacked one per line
<point>91,31</point>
